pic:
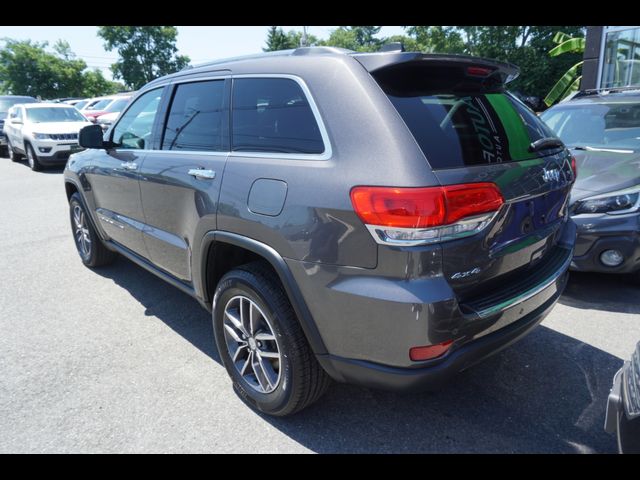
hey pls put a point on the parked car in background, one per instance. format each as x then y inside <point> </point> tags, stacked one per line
<point>112,111</point>
<point>116,106</point>
<point>623,405</point>
<point>389,229</point>
<point>602,129</point>
<point>6,102</point>
<point>79,105</point>
<point>47,133</point>
<point>94,110</point>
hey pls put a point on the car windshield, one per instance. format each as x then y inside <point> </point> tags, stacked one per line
<point>7,103</point>
<point>614,125</point>
<point>117,105</point>
<point>54,114</point>
<point>101,104</point>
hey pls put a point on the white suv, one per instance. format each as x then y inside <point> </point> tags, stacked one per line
<point>47,133</point>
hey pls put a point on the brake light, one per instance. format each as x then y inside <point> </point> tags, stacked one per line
<point>479,71</point>
<point>574,167</point>
<point>429,351</point>
<point>424,207</point>
<point>415,215</point>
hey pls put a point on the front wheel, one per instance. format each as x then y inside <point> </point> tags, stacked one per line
<point>262,344</point>
<point>32,158</point>
<point>90,248</point>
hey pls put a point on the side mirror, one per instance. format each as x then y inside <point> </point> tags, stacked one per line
<point>91,137</point>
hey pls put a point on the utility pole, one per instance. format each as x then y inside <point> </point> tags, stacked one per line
<point>303,39</point>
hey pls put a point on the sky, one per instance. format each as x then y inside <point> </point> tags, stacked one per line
<point>201,44</point>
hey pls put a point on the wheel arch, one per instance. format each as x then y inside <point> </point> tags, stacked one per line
<point>255,250</point>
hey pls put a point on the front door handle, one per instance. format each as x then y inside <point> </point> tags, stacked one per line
<point>129,165</point>
<point>202,173</point>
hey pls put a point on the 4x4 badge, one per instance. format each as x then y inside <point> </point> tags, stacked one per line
<point>468,273</point>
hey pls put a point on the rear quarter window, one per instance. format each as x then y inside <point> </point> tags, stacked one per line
<point>273,115</point>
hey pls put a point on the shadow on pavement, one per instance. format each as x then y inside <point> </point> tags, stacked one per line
<point>546,393</point>
<point>600,291</point>
<point>55,169</point>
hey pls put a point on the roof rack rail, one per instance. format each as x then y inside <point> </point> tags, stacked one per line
<point>277,53</point>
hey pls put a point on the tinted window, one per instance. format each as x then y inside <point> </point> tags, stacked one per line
<point>196,117</point>
<point>613,125</point>
<point>458,122</point>
<point>135,126</point>
<point>273,115</point>
<point>101,104</point>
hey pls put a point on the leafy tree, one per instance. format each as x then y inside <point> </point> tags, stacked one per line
<point>361,39</point>
<point>27,68</point>
<point>146,52</point>
<point>436,39</point>
<point>570,81</point>
<point>277,40</point>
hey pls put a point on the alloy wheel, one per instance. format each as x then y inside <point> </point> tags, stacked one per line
<point>81,232</point>
<point>251,344</point>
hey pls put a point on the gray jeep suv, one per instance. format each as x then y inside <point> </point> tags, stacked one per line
<point>385,219</point>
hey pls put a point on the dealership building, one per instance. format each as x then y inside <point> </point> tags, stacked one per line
<point>611,57</point>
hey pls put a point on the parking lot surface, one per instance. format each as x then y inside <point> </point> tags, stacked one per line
<point>115,360</point>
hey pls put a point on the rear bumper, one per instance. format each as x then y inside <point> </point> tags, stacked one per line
<point>597,233</point>
<point>436,372</point>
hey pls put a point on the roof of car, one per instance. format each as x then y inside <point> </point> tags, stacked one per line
<point>372,61</point>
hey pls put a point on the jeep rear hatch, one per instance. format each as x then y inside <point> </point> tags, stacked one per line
<point>472,131</point>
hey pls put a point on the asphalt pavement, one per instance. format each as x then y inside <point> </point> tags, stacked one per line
<point>115,360</point>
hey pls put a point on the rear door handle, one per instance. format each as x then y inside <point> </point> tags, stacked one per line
<point>129,165</point>
<point>202,173</point>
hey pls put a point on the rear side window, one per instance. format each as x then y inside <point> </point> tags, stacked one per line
<point>196,117</point>
<point>466,127</point>
<point>273,115</point>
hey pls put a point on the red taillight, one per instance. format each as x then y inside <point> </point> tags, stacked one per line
<point>574,167</point>
<point>424,207</point>
<point>479,71</point>
<point>429,351</point>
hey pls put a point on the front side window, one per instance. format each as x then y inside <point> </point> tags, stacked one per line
<point>196,117</point>
<point>273,115</point>
<point>135,127</point>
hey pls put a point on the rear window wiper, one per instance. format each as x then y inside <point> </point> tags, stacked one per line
<point>544,143</point>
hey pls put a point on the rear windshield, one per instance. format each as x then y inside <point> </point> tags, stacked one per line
<point>462,128</point>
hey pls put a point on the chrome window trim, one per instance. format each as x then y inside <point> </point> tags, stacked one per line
<point>328,151</point>
<point>326,155</point>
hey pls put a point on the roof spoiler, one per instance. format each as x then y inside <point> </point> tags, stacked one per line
<point>375,62</point>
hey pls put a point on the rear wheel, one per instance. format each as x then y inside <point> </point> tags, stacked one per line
<point>262,344</point>
<point>90,248</point>
<point>13,155</point>
<point>32,158</point>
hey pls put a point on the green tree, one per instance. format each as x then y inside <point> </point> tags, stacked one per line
<point>27,68</point>
<point>278,40</point>
<point>436,39</point>
<point>145,52</point>
<point>360,39</point>
<point>570,81</point>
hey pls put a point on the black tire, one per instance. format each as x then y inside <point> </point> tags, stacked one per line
<point>4,151</point>
<point>302,380</point>
<point>32,158</point>
<point>13,155</point>
<point>97,254</point>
